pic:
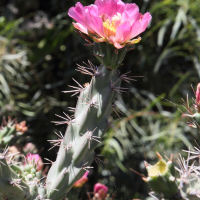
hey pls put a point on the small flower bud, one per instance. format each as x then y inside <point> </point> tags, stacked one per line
<point>35,159</point>
<point>101,190</point>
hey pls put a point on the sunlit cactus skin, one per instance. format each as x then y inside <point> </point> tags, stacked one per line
<point>77,148</point>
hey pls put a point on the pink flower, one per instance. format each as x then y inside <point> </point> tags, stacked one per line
<point>35,159</point>
<point>100,191</point>
<point>110,21</point>
<point>81,181</point>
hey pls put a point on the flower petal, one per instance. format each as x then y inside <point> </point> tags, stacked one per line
<point>112,40</point>
<point>77,14</point>
<point>110,7</point>
<point>130,13</point>
<point>139,26</point>
<point>80,28</point>
<point>123,31</point>
<point>94,22</point>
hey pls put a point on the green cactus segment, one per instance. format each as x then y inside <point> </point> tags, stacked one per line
<point>161,179</point>
<point>84,133</point>
<point>191,187</point>
<point>11,187</point>
<point>108,55</point>
<point>17,184</point>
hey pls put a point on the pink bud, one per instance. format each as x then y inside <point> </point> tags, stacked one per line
<point>101,190</point>
<point>81,181</point>
<point>35,158</point>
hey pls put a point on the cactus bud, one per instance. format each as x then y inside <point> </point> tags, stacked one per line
<point>100,191</point>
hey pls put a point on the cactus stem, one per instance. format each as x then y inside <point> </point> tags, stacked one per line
<point>86,167</point>
<point>159,156</point>
<point>90,137</point>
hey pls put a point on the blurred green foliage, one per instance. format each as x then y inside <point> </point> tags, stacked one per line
<point>38,55</point>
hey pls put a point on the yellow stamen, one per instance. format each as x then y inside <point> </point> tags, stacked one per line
<point>109,28</point>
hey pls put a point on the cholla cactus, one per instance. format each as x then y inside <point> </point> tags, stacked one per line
<point>112,25</point>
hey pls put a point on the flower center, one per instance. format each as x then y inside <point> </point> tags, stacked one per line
<point>110,27</point>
